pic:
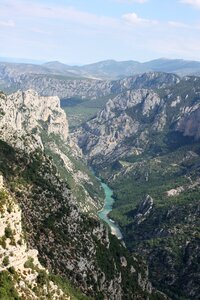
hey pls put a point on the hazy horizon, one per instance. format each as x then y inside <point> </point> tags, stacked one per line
<point>40,62</point>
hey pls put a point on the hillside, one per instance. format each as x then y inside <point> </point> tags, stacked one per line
<point>145,144</point>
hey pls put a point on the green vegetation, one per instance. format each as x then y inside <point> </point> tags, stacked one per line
<point>41,196</point>
<point>42,277</point>
<point>7,289</point>
<point>155,176</point>
<point>6,261</point>
<point>3,242</point>
<point>8,232</point>
<point>29,263</point>
<point>3,200</point>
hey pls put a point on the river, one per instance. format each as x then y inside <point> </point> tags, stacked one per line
<point>103,213</point>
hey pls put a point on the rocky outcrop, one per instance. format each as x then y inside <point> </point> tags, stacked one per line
<point>150,80</point>
<point>144,209</point>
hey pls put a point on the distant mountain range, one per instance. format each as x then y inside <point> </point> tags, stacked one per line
<point>111,69</point>
<point>108,69</point>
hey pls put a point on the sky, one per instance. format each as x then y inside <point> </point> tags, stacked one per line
<point>86,31</point>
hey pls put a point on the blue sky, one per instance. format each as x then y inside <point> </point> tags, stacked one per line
<point>85,31</point>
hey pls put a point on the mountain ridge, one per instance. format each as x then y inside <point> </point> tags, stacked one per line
<point>107,69</point>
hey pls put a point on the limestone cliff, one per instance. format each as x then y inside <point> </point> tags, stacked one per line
<point>24,112</point>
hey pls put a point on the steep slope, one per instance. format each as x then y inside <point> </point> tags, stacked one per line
<point>145,144</point>
<point>21,274</point>
<point>70,243</point>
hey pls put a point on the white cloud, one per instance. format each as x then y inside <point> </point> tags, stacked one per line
<point>134,19</point>
<point>64,13</point>
<point>9,23</point>
<point>195,3</point>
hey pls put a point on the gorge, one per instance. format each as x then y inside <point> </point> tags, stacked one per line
<point>143,142</point>
<point>58,198</point>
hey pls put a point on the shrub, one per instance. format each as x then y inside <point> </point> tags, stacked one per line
<point>3,242</point>
<point>6,261</point>
<point>29,263</point>
<point>7,289</point>
<point>42,277</point>
<point>8,232</point>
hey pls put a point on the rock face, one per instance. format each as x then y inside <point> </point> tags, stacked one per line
<point>27,110</point>
<point>72,244</point>
<point>144,209</point>
<point>189,124</point>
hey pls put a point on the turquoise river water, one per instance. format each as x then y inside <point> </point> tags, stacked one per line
<point>103,213</point>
